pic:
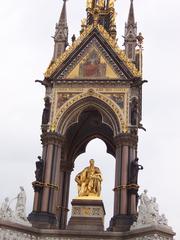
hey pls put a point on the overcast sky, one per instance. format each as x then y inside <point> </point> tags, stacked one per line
<point>26,48</point>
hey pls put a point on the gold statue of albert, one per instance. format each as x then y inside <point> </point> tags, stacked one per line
<point>89,181</point>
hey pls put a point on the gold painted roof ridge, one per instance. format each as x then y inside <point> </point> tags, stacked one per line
<point>112,42</point>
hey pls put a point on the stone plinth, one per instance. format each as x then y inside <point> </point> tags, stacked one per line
<point>42,220</point>
<point>15,231</point>
<point>87,215</point>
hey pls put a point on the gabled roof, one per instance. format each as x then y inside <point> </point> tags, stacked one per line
<point>98,32</point>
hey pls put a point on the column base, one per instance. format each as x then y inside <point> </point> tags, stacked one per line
<point>121,223</point>
<point>43,220</point>
<point>87,215</point>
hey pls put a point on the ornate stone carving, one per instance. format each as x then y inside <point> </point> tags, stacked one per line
<point>9,234</point>
<point>90,211</point>
<point>20,210</point>
<point>116,109</point>
<point>63,56</point>
<point>5,211</point>
<point>153,237</point>
<point>149,213</point>
<point>112,42</point>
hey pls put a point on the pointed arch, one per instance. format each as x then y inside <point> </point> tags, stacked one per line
<point>69,113</point>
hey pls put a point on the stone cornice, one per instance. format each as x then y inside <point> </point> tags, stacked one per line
<point>51,138</point>
<point>126,139</point>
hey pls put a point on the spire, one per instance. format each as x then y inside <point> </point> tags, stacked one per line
<point>131,18</point>
<point>63,16</point>
<point>61,34</point>
<point>130,36</point>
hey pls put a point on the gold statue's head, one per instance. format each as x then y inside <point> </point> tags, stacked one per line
<point>91,162</point>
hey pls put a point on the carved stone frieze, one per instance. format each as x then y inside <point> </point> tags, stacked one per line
<point>153,237</point>
<point>61,96</point>
<point>88,211</point>
<point>20,234</point>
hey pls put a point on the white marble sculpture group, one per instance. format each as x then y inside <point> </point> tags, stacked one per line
<point>149,213</point>
<point>19,214</point>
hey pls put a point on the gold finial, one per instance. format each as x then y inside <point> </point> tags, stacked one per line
<point>96,16</point>
<point>83,25</point>
<point>111,3</point>
<point>89,4</point>
<point>83,22</point>
<point>100,3</point>
<point>113,19</point>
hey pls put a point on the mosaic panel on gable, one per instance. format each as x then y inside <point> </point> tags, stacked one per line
<point>92,67</point>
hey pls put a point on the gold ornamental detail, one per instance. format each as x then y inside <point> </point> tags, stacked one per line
<point>53,66</point>
<point>121,54</point>
<point>111,41</point>
<point>116,109</point>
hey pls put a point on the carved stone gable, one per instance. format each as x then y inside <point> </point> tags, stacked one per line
<point>92,62</point>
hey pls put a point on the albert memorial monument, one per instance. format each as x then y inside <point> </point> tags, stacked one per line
<point>93,89</point>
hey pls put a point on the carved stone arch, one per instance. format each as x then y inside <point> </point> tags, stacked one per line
<point>111,113</point>
<point>73,113</point>
<point>82,146</point>
<point>88,126</point>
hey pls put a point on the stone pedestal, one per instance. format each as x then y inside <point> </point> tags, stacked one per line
<point>43,220</point>
<point>121,223</point>
<point>87,215</point>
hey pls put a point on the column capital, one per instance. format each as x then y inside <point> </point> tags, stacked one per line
<point>51,138</point>
<point>126,139</point>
